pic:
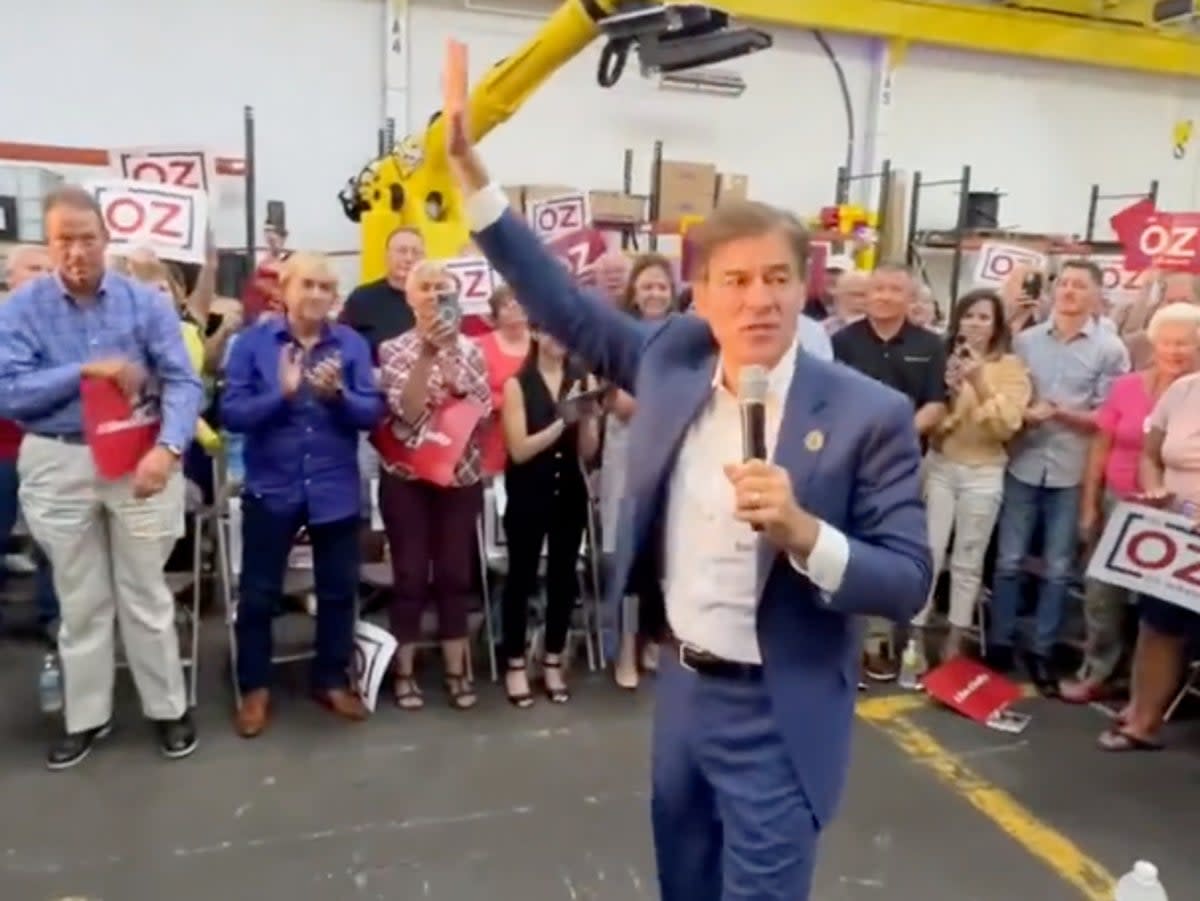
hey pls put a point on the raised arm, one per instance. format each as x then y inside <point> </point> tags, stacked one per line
<point>608,341</point>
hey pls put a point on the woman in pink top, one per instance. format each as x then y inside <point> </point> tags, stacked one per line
<point>504,350</point>
<point>1170,478</point>
<point>1112,476</point>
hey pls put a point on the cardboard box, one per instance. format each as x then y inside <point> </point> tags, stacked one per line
<point>531,194</point>
<point>732,187</point>
<point>615,207</point>
<point>686,189</point>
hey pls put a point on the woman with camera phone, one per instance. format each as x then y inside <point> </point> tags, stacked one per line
<point>430,491</point>
<point>550,429</point>
<point>989,389</point>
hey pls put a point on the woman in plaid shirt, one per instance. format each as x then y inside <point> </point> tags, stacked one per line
<point>429,376</point>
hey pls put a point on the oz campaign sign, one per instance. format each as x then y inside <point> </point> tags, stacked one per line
<point>180,168</point>
<point>476,282</point>
<point>1151,552</point>
<point>373,650</point>
<point>561,215</point>
<point>579,250</point>
<point>996,262</point>
<point>1153,238</point>
<point>171,221</point>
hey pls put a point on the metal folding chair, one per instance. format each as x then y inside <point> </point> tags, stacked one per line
<point>494,559</point>
<point>297,580</point>
<point>1190,687</point>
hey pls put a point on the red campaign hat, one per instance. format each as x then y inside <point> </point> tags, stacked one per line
<point>117,434</point>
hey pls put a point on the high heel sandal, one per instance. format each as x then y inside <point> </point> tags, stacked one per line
<point>555,695</point>
<point>523,700</point>
<point>460,692</point>
<point>408,696</point>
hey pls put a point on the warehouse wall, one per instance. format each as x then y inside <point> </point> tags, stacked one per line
<point>1041,133</point>
<point>313,69</point>
<point>129,72</point>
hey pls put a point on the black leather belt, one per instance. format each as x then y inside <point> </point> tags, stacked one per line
<point>64,437</point>
<point>706,664</point>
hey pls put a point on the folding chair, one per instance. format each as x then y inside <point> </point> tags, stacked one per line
<point>1190,687</point>
<point>494,558</point>
<point>297,580</point>
<point>187,615</point>
<point>378,577</point>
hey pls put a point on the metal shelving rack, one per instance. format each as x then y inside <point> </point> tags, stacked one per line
<point>1089,233</point>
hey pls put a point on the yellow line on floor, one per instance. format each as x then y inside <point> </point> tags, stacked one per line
<point>1059,853</point>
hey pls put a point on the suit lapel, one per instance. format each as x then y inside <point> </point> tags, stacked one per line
<point>803,435</point>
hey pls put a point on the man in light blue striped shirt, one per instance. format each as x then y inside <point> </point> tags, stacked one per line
<point>107,540</point>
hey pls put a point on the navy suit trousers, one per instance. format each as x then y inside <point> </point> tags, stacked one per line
<point>731,822</point>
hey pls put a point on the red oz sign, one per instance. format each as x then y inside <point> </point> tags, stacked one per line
<point>559,215</point>
<point>169,221</point>
<point>1154,239</point>
<point>580,250</point>
<point>1151,552</point>
<point>1171,241</point>
<point>178,168</point>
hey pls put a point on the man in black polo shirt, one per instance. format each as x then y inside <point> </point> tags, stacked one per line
<point>379,310</point>
<point>887,347</point>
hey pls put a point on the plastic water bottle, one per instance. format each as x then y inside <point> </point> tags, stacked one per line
<point>1141,884</point>
<point>912,666</point>
<point>50,687</point>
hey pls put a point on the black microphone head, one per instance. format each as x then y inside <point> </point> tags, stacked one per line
<point>752,385</point>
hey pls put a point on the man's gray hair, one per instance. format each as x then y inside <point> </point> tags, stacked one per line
<point>72,197</point>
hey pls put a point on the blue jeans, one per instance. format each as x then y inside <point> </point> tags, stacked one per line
<point>1058,511</point>
<point>44,597</point>
<point>267,537</point>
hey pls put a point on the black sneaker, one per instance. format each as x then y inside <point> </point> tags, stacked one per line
<point>74,746</point>
<point>176,738</point>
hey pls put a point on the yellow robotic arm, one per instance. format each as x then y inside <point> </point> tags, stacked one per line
<point>411,186</point>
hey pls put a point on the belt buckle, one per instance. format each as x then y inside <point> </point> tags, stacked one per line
<point>684,647</point>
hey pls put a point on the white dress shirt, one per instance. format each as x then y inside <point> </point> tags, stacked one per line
<point>711,566</point>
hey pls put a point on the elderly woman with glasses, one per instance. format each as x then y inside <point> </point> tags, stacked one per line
<point>300,389</point>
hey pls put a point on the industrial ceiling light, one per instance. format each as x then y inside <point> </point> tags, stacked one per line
<point>704,81</point>
<point>674,38</point>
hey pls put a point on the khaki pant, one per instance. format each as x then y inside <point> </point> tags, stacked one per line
<point>107,550</point>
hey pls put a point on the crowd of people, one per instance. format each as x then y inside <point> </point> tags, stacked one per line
<point>1038,412</point>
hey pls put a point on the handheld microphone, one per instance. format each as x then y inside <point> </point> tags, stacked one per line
<point>752,403</point>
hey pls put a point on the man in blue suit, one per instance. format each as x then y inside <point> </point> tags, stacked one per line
<point>766,565</point>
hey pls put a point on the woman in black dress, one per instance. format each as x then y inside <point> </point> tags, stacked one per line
<point>550,430</point>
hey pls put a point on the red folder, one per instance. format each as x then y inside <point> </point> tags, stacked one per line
<point>970,688</point>
<point>440,446</point>
<point>118,433</point>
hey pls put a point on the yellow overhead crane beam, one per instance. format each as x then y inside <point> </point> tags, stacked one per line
<point>1112,34</point>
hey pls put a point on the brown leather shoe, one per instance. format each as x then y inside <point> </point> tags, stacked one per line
<point>344,703</point>
<point>253,713</point>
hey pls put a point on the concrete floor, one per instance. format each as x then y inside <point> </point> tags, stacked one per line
<point>551,803</point>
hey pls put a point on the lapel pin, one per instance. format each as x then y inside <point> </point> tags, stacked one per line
<point>814,440</point>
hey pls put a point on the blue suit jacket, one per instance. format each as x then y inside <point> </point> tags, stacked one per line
<point>862,480</point>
